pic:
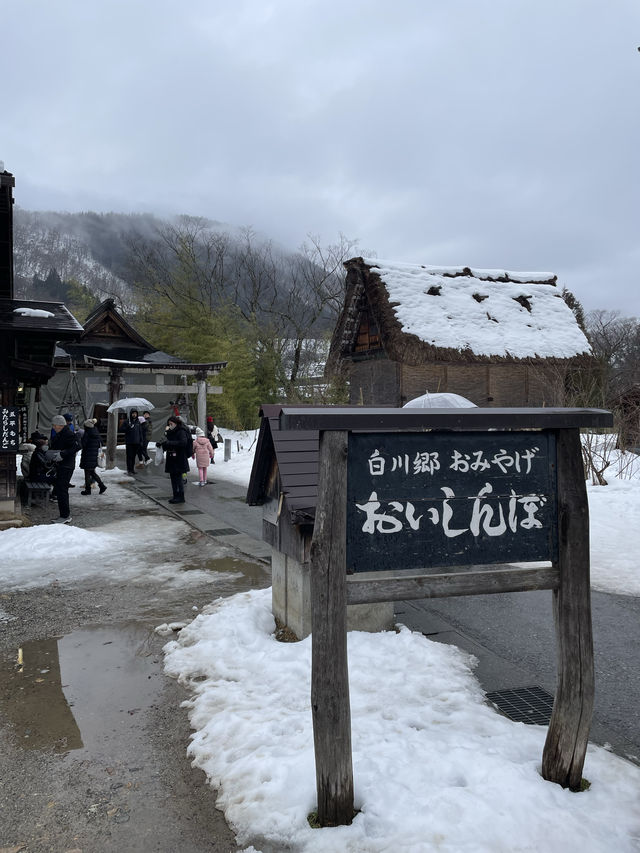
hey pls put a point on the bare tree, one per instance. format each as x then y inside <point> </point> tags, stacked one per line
<point>314,294</point>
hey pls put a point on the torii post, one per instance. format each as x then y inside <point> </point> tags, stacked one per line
<point>201,382</point>
<point>115,387</point>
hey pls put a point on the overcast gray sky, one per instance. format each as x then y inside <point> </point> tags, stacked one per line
<point>488,133</point>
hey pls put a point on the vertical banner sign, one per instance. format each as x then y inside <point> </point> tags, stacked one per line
<point>423,500</point>
<point>9,428</point>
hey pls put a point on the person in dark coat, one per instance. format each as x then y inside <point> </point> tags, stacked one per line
<point>133,440</point>
<point>175,446</point>
<point>90,443</point>
<point>148,430</point>
<point>38,464</point>
<point>67,444</point>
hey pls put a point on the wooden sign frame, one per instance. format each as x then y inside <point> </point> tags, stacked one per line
<point>331,589</point>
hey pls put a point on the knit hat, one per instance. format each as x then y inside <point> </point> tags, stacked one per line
<point>199,431</point>
<point>58,420</point>
<point>90,422</point>
<point>68,417</point>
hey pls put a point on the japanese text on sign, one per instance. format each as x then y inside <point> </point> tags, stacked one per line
<point>9,428</point>
<point>450,498</point>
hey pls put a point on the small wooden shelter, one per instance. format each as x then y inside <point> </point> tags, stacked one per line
<point>498,338</point>
<point>284,481</point>
<point>29,331</point>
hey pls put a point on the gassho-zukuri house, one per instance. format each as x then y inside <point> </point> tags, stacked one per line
<point>496,337</point>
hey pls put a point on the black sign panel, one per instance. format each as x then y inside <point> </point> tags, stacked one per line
<point>422,500</point>
<point>9,428</point>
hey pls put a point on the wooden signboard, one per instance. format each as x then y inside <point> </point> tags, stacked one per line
<point>420,500</point>
<point>433,492</point>
<point>9,429</point>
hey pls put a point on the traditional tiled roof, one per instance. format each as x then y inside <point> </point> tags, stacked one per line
<point>296,454</point>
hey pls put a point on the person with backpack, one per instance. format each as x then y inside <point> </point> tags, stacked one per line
<point>178,447</point>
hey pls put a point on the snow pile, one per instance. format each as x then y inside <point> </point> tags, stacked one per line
<point>127,549</point>
<point>33,312</point>
<point>435,768</point>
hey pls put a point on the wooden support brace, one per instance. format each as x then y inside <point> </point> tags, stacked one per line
<point>566,743</point>
<point>329,667</point>
<point>451,583</point>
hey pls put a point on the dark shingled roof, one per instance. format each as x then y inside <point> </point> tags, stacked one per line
<point>296,453</point>
<point>61,326</point>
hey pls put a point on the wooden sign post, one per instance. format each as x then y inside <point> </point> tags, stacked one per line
<point>420,495</point>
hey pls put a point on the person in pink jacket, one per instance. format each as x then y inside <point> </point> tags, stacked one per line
<point>203,454</point>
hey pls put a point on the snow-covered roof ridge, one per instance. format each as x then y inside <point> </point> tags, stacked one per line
<point>454,272</point>
<point>484,312</point>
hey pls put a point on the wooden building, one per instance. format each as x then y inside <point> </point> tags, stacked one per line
<point>29,331</point>
<point>111,359</point>
<point>284,481</point>
<point>498,338</point>
<point>627,408</point>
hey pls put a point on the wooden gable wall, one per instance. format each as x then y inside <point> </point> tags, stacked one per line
<point>383,382</point>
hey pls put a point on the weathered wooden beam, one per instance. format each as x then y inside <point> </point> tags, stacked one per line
<point>444,585</point>
<point>135,390</point>
<point>379,419</point>
<point>566,743</point>
<point>330,703</point>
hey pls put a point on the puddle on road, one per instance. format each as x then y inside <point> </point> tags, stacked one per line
<point>253,572</point>
<point>82,690</point>
<point>86,690</point>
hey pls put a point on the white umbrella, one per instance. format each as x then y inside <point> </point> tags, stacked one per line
<point>131,403</point>
<point>439,401</point>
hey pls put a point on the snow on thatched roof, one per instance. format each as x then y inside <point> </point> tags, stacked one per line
<point>482,313</point>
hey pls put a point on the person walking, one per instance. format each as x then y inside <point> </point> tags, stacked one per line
<point>133,439</point>
<point>66,443</point>
<point>203,453</point>
<point>90,443</point>
<point>177,446</point>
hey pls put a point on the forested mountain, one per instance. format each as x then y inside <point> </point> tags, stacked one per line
<point>198,289</point>
<point>207,291</point>
<point>90,249</point>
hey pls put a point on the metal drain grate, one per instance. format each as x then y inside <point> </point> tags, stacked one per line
<point>222,531</point>
<point>524,705</point>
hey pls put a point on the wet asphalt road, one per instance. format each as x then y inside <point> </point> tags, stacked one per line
<point>513,638</point>
<point>93,738</point>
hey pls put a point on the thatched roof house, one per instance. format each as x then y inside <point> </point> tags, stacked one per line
<point>498,338</point>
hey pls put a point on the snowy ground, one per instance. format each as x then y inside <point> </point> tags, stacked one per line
<point>435,768</point>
